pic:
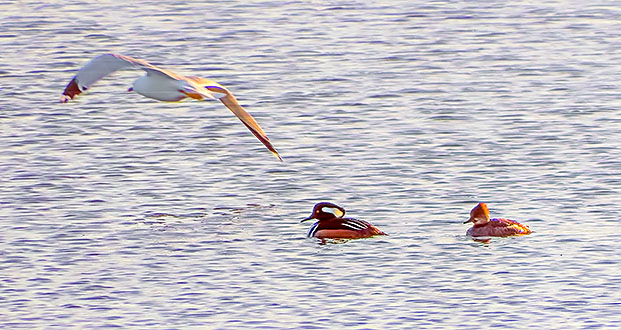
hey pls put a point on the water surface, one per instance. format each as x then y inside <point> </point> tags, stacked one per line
<point>119,211</point>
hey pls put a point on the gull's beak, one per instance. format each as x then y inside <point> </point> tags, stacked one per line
<point>306,219</point>
<point>131,89</point>
<point>470,220</point>
<point>231,102</point>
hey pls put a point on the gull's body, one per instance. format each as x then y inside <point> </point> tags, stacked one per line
<point>162,85</point>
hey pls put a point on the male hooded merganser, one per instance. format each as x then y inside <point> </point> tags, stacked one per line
<point>484,226</point>
<point>331,224</point>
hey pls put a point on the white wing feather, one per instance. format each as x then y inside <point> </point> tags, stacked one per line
<point>104,65</point>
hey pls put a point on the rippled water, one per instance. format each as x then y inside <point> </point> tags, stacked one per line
<point>118,211</point>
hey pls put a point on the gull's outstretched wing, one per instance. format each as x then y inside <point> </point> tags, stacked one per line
<point>104,65</point>
<point>229,100</point>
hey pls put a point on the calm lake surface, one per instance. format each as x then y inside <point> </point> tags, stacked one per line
<point>120,211</point>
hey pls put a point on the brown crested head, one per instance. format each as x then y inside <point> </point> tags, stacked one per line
<point>479,214</point>
<point>326,211</point>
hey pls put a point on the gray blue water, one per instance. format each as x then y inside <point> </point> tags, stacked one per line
<point>119,211</point>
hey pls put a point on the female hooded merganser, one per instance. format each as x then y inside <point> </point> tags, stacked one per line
<point>331,224</point>
<point>484,226</point>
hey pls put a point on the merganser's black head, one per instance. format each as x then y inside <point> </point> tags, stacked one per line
<point>326,211</point>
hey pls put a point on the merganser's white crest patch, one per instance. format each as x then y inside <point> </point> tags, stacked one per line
<point>338,213</point>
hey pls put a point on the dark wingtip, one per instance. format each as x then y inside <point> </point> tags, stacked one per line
<point>71,91</point>
<point>266,142</point>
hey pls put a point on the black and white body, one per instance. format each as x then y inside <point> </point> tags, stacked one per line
<point>162,85</point>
